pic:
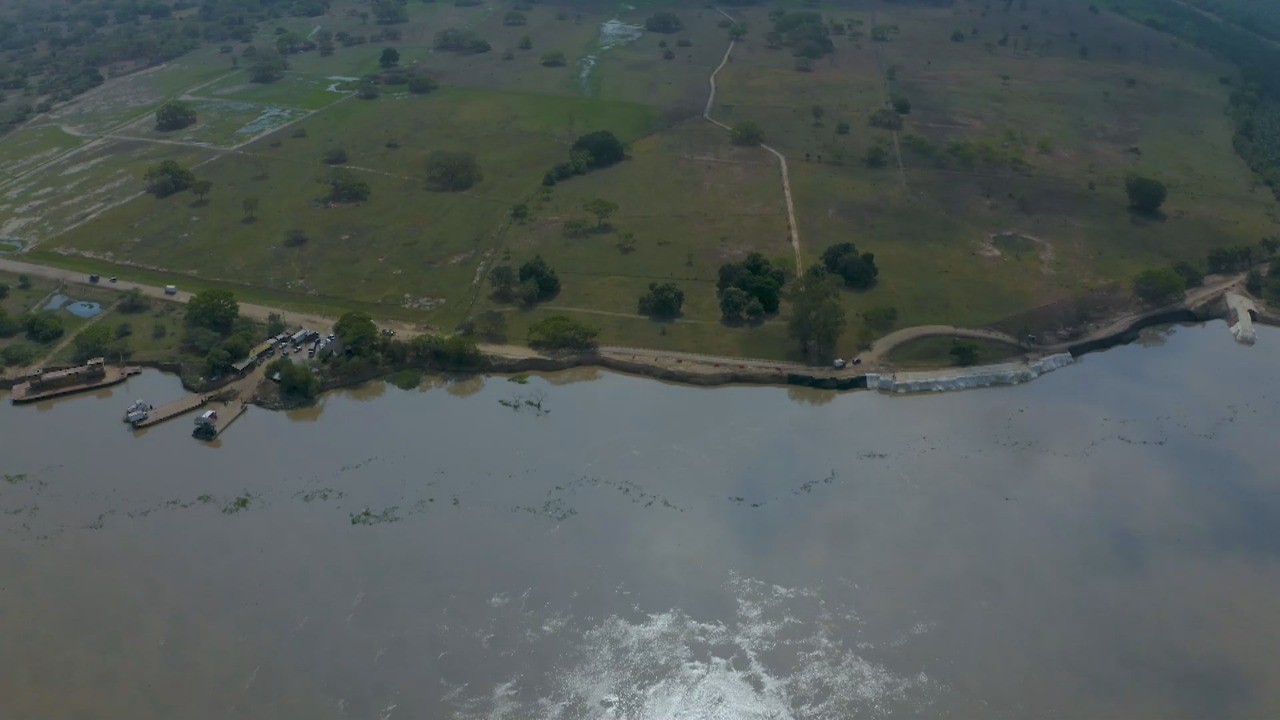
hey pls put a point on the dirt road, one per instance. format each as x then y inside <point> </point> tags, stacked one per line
<point>782,159</point>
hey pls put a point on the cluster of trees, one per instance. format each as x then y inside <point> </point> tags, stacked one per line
<point>452,171</point>
<point>265,66</point>
<point>58,50</point>
<point>663,301</point>
<point>367,352</point>
<point>592,151</point>
<point>804,32</point>
<point>1159,286</point>
<point>1255,104</point>
<point>858,271</point>
<point>296,379</point>
<point>535,282</point>
<point>663,22</point>
<point>751,288</point>
<point>1268,286</point>
<point>175,115</point>
<point>41,327</point>
<point>461,41</point>
<point>970,154</point>
<point>214,329</point>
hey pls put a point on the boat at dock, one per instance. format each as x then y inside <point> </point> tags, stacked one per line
<point>137,412</point>
<point>44,384</point>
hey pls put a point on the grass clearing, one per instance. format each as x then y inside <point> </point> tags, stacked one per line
<point>936,352</point>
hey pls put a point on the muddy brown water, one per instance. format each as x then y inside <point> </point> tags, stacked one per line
<point>1101,542</point>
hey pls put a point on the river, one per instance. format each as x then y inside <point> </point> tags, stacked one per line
<point>1102,542</point>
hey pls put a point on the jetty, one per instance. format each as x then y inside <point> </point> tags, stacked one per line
<point>1241,314</point>
<point>172,410</point>
<point>45,384</point>
<point>212,423</point>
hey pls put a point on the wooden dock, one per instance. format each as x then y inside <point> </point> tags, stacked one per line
<point>226,415</point>
<point>173,409</point>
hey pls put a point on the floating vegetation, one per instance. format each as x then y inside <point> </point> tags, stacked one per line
<point>368,517</point>
<point>522,379</point>
<point>322,494</point>
<point>15,478</point>
<point>240,503</point>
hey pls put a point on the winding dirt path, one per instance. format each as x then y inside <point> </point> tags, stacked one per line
<point>782,159</point>
<point>882,347</point>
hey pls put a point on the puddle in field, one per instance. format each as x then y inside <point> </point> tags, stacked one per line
<point>612,34</point>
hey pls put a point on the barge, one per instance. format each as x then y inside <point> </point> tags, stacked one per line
<point>45,384</point>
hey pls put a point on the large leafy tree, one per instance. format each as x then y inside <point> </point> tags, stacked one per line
<point>214,310</point>
<point>858,271</point>
<point>817,320</point>
<point>175,115</point>
<point>664,300</point>
<point>1145,194</point>
<point>357,333</point>
<point>452,171</point>
<point>168,177</point>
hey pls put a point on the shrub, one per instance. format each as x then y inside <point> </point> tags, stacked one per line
<point>452,171</point>
<point>422,83</point>
<point>746,134</point>
<point>1158,286</point>
<point>334,156</point>
<point>174,115</point>
<point>663,22</point>
<point>1145,194</point>
<point>561,332</point>
<point>858,271</point>
<point>553,58</point>
<point>295,238</point>
<point>664,300</point>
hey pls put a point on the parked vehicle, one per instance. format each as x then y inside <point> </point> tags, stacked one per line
<point>838,364</point>
<point>112,278</point>
<point>93,278</point>
<point>170,289</point>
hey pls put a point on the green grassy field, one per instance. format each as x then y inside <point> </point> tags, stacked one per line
<point>936,351</point>
<point>1078,98</point>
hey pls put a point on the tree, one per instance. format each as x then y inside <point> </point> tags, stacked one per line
<point>503,281</point>
<point>601,148</point>
<point>817,111</point>
<point>539,278</point>
<point>345,186</point>
<point>250,207</point>
<point>746,134</point>
<point>858,271</point>
<point>738,30</point>
<point>817,320</point>
<point>664,300</point>
<point>358,333</point>
<point>1191,274</point>
<point>390,58</point>
<point>1158,286</point>
<point>561,332</point>
<point>43,327</point>
<point>174,115</point>
<point>602,209</point>
<point>452,171</point>
<point>168,177</point>
<point>334,156</point>
<point>526,43</point>
<point>24,282</point>
<point>8,325</point>
<point>964,353</point>
<point>275,324</point>
<point>368,91</point>
<point>901,105</point>
<point>553,58</point>
<point>733,302</point>
<point>268,66</point>
<point>422,83</point>
<point>958,36</point>
<point>201,188</point>
<point>1145,194</point>
<point>214,310</point>
<point>133,301</point>
<point>663,22</point>
<point>388,12</point>
<point>296,379</point>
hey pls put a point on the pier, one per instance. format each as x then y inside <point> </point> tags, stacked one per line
<point>172,410</point>
<point>1241,314</point>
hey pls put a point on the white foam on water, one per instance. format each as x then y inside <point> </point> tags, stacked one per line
<point>783,656</point>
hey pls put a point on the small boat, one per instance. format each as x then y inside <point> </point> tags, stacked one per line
<point>138,406</point>
<point>134,417</point>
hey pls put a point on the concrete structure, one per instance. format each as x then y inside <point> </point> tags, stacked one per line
<point>966,378</point>
<point>1241,312</point>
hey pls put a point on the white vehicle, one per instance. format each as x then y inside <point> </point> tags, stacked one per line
<point>838,364</point>
<point>170,289</point>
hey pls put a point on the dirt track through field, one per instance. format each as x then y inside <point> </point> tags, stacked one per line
<point>782,159</point>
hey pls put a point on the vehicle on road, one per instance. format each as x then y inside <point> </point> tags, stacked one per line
<point>93,278</point>
<point>838,364</point>
<point>170,289</point>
